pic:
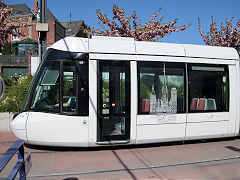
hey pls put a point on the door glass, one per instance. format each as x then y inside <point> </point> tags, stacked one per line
<point>105,93</point>
<point>114,100</point>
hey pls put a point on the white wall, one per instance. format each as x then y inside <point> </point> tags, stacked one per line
<point>5,120</point>
<point>34,64</point>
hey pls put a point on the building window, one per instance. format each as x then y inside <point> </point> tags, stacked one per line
<point>15,38</point>
<point>161,88</point>
<point>208,87</point>
<point>26,46</point>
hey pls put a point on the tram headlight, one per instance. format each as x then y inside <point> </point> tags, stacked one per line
<point>18,126</point>
<point>15,115</point>
<point>19,121</point>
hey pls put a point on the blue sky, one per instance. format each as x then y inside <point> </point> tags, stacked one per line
<point>187,11</point>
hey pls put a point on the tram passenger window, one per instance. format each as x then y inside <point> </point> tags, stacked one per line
<point>208,88</point>
<point>161,88</point>
<point>83,92</point>
<point>69,86</point>
<point>47,91</point>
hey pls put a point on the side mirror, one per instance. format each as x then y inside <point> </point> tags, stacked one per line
<point>2,88</point>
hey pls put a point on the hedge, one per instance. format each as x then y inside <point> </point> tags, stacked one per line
<point>15,92</point>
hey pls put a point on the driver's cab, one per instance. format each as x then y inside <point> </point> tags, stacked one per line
<point>61,86</point>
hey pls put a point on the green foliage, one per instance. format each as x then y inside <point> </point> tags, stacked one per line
<point>105,90</point>
<point>147,81</point>
<point>15,93</point>
<point>7,49</point>
<point>145,91</point>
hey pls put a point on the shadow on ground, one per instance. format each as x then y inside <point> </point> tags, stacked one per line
<point>133,146</point>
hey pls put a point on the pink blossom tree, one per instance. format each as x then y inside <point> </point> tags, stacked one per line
<point>9,26</point>
<point>131,26</point>
<point>227,36</point>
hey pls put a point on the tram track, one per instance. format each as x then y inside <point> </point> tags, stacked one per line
<point>6,142</point>
<point>133,169</point>
<point>220,160</point>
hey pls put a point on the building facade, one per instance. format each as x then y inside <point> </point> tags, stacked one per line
<point>26,46</point>
<point>19,62</point>
<point>56,29</point>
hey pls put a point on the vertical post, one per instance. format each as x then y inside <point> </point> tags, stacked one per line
<point>29,63</point>
<point>43,34</point>
<point>2,88</point>
<point>39,48</point>
<point>22,172</point>
<point>61,88</point>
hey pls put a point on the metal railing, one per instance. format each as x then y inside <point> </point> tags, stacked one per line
<point>13,60</point>
<point>21,166</point>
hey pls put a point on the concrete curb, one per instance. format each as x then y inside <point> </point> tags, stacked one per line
<point>5,120</point>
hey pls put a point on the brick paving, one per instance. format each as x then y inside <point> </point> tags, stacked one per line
<point>161,161</point>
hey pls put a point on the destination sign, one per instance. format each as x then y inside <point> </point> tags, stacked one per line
<point>201,68</point>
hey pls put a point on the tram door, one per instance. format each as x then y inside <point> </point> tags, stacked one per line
<point>113,101</point>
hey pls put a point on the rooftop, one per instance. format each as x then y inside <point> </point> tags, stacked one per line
<point>73,27</point>
<point>24,10</point>
<point>20,10</point>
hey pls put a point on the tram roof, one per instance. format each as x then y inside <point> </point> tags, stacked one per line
<point>122,45</point>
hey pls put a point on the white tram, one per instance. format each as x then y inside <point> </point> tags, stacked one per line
<point>114,90</point>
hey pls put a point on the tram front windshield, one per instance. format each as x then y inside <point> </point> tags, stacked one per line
<point>61,85</point>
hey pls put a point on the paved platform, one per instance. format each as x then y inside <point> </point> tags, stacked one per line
<point>218,159</point>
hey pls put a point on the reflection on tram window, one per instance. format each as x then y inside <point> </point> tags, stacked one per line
<point>161,88</point>
<point>208,88</point>
<point>105,92</point>
<point>69,86</point>
<point>65,92</point>
<point>113,126</point>
<point>118,95</point>
<point>46,95</point>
